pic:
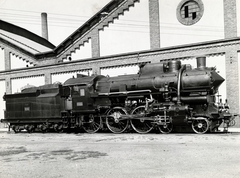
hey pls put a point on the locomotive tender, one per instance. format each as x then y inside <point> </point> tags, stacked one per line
<point>165,96</point>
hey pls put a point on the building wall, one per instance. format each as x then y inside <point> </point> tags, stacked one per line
<point>238,17</point>
<point>131,33</point>
<point>130,27</point>
<point>209,27</point>
<point>128,33</point>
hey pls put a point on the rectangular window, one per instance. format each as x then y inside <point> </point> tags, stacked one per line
<point>82,92</point>
<point>75,88</point>
<point>79,103</point>
<point>26,108</point>
<point>194,15</point>
<point>186,11</point>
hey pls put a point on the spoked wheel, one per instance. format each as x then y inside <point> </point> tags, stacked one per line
<point>114,123</point>
<point>167,128</point>
<point>16,128</point>
<point>91,124</point>
<point>43,128</point>
<point>200,125</point>
<point>30,128</point>
<point>58,128</point>
<point>141,125</point>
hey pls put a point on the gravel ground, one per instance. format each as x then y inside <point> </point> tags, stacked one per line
<point>119,155</point>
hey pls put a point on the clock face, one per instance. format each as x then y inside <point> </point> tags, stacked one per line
<point>189,12</point>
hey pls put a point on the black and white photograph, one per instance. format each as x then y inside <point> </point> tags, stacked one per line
<point>119,88</point>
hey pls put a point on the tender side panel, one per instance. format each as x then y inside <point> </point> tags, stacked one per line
<point>46,104</point>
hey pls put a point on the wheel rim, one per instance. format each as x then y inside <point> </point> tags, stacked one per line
<point>113,123</point>
<point>200,125</point>
<point>165,128</point>
<point>141,125</point>
<point>58,128</point>
<point>16,128</point>
<point>44,128</point>
<point>30,128</point>
<point>91,124</point>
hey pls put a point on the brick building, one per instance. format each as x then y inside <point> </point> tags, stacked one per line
<point>177,30</point>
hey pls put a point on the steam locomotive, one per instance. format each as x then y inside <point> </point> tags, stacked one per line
<point>163,96</point>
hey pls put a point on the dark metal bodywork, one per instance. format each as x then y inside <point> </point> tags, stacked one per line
<point>34,105</point>
<point>169,92</point>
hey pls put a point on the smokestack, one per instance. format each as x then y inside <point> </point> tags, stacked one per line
<point>201,62</point>
<point>44,25</point>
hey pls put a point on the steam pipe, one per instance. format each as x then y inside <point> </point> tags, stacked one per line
<point>179,84</point>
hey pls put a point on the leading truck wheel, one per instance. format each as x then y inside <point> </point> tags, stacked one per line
<point>200,125</point>
<point>114,123</point>
<point>141,125</point>
<point>167,128</point>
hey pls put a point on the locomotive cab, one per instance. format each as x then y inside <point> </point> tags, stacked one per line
<point>77,94</point>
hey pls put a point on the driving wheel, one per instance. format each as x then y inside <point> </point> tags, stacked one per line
<point>141,124</point>
<point>113,121</point>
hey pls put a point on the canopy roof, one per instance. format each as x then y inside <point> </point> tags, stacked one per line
<point>23,39</point>
<point>40,48</point>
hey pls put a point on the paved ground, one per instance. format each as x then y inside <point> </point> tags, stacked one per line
<point>125,155</point>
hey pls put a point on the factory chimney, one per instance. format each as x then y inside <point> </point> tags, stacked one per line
<point>44,25</point>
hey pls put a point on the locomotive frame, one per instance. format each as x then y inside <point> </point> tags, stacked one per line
<point>164,96</point>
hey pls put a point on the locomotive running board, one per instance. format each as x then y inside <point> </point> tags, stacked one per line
<point>140,117</point>
<point>125,92</point>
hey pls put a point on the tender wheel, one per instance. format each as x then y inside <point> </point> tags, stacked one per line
<point>58,128</point>
<point>30,128</point>
<point>43,128</point>
<point>16,128</point>
<point>113,123</point>
<point>141,125</point>
<point>91,124</point>
<point>200,125</point>
<point>165,128</point>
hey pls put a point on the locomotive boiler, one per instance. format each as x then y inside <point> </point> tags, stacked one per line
<point>163,96</point>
